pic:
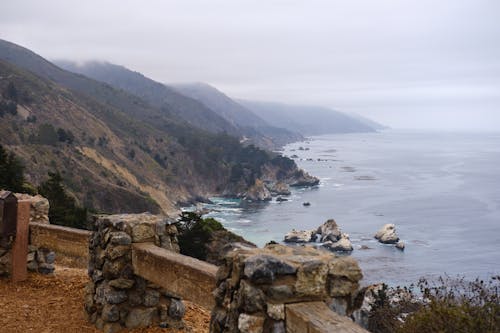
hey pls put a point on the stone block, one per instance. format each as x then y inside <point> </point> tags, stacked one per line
<point>140,317</point>
<point>250,323</point>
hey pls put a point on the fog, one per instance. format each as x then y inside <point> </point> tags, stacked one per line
<point>407,64</point>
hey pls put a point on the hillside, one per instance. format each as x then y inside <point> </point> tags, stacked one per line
<point>200,105</point>
<point>155,93</point>
<point>307,120</point>
<point>252,125</point>
<point>116,152</point>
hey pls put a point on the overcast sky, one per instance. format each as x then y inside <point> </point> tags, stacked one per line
<point>409,64</point>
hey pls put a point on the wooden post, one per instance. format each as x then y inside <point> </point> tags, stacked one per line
<point>20,246</point>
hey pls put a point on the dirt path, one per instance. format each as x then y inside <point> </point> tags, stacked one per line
<point>52,304</point>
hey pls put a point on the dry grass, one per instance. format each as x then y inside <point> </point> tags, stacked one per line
<point>51,304</point>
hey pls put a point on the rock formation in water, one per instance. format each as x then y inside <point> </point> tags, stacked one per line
<point>329,234</point>
<point>387,234</point>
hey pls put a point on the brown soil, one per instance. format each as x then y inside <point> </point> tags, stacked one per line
<point>52,304</point>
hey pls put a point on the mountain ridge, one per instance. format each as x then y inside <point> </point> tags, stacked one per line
<point>125,155</point>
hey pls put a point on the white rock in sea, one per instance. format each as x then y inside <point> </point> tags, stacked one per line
<point>387,234</point>
<point>400,245</point>
<point>299,236</point>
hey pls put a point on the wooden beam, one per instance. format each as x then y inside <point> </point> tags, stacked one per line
<point>20,246</point>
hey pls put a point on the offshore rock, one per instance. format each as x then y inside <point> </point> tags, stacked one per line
<point>329,231</point>
<point>299,236</point>
<point>387,234</point>
<point>342,245</point>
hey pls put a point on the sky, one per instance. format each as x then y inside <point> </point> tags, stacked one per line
<point>405,63</point>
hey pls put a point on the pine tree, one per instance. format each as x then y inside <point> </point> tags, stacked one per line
<point>63,207</point>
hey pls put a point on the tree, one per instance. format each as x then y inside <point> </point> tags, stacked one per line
<point>63,207</point>
<point>195,233</point>
<point>65,135</point>
<point>11,92</point>
<point>11,172</point>
<point>47,135</point>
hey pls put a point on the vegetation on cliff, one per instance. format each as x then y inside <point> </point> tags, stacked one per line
<point>115,151</point>
<point>448,305</point>
<point>11,172</point>
<point>63,208</point>
<point>205,239</point>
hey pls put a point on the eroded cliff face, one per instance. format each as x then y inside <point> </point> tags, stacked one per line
<point>116,153</point>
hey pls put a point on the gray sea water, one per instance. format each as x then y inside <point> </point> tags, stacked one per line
<point>442,190</point>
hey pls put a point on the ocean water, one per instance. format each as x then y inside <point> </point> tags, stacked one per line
<point>442,190</point>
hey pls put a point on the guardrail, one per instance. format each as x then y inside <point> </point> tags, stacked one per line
<point>65,240</point>
<point>188,278</point>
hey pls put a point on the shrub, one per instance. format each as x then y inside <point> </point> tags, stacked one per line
<point>447,306</point>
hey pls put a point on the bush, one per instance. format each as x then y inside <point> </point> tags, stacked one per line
<point>450,305</point>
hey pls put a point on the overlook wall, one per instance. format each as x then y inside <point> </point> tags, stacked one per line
<point>138,279</point>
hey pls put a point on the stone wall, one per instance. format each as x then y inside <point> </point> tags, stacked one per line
<point>38,259</point>
<point>39,211</point>
<point>115,296</point>
<point>254,286</point>
<point>5,259</point>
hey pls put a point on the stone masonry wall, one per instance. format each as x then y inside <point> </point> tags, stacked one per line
<point>39,210</point>
<point>39,259</point>
<point>254,286</point>
<point>115,296</point>
<point>5,259</point>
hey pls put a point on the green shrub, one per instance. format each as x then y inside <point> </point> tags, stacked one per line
<point>447,306</point>
<point>195,233</point>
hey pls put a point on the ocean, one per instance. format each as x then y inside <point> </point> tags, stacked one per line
<point>440,189</point>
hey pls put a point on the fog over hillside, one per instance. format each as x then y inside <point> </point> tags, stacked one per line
<point>409,64</point>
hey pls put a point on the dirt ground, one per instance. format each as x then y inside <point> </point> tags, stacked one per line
<point>52,304</point>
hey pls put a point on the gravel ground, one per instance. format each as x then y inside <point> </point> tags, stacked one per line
<point>51,304</point>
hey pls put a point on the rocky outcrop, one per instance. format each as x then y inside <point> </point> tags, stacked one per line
<point>223,241</point>
<point>302,178</point>
<point>258,192</point>
<point>299,236</point>
<point>329,231</point>
<point>329,234</point>
<point>387,234</point>
<point>255,286</point>
<point>279,188</point>
<point>343,244</point>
